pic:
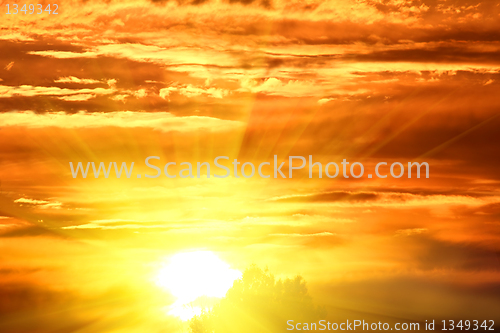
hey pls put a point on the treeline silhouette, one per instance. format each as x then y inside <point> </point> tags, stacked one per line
<point>259,303</point>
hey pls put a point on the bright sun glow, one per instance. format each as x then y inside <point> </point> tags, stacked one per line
<point>191,275</point>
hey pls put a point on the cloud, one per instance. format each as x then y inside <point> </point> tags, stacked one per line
<point>73,79</point>
<point>30,231</point>
<point>111,83</point>
<point>30,201</point>
<point>165,92</point>
<point>16,36</point>
<point>114,224</point>
<point>330,197</point>
<point>77,98</point>
<point>43,204</point>
<point>386,199</point>
<point>64,54</point>
<point>30,91</point>
<point>141,93</point>
<point>409,232</point>
<point>119,97</point>
<point>9,66</point>
<point>473,256</point>
<point>110,224</point>
<point>297,88</point>
<point>323,101</point>
<point>381,79</point>
<point>148,53</point>
<point>161,121</point>
<point>192,91</point>
<point>318,234</point>
<point>274,86</point>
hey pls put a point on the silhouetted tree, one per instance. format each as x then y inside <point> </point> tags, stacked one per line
<point>259,303</point>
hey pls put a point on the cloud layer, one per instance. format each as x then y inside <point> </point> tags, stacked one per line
<point>186,80</point>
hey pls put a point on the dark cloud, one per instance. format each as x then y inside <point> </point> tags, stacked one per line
<point>333,197</point>
<point>454,255</point>
<point>31,231</point>
<point>442,54</point>
<point>401,298</point>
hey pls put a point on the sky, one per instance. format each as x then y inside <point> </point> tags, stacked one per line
<point>367,81</point>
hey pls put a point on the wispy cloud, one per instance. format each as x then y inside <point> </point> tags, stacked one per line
<point>42,204</point>
<point>74,79</point>
<point>9,66</point>
<point>30,91</point>
<point>161,121</point>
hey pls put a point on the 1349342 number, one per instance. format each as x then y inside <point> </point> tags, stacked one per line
<point>31,9</point>
<point>468,325</point>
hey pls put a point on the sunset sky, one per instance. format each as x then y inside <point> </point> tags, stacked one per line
<point>368,81</point>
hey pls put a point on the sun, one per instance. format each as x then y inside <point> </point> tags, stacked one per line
<point>190,276</point>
